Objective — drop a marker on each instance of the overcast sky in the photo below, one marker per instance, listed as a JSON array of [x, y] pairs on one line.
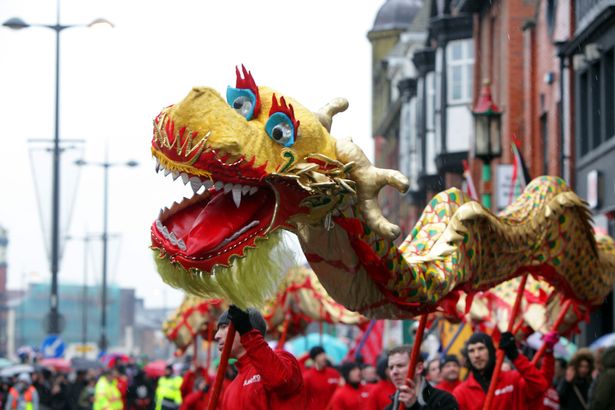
[[113, 83]]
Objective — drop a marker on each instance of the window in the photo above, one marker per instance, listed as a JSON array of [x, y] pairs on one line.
[[544, 135], [583, 107], [596, 92], [430, 106], [609, 106], [460, 61]]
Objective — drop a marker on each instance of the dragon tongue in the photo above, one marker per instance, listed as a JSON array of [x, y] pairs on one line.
[[219, 220]]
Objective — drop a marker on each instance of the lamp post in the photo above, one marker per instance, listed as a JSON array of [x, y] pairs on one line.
[[105, 238], [487, 137], [16, 23]]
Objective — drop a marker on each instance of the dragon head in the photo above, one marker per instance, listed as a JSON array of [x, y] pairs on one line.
[[257, 162]]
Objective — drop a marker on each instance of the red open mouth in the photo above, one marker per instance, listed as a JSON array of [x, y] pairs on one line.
[[208, 228]]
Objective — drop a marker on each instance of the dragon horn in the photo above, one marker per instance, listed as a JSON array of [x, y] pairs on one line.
[[326, 113], [369, 181]]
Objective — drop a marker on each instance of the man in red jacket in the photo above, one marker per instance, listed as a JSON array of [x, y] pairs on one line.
[[513, 388], [267, 379], [321, 380], [380, 393], [449, 371], [352, 395]]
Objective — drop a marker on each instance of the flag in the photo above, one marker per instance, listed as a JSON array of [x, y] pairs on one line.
[[470, 187], [369, 343], [521, 175]]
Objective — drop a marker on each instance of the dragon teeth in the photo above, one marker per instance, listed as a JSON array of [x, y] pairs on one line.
[[185, 178], [218, 185], [236, 194], [181, 244], [195, 183], [227, 188], [253, 190], [245, 189], [157, 164], [208, 184]]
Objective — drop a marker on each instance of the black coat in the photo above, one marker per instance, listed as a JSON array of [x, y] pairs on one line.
[[435, 399]]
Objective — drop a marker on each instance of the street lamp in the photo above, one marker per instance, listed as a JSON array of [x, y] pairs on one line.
[[487, 137], [16, 23], [105, 237]]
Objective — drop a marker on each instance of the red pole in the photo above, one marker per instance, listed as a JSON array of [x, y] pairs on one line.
[[226, 352], [556, 324], [416, 348], [500, 354]]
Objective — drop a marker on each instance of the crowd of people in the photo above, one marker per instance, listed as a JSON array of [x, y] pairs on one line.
[[261, 377]]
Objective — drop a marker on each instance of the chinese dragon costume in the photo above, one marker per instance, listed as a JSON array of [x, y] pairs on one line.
[[259, 163]]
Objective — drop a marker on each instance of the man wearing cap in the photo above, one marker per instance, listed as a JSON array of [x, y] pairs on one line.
[[449, 372], [514, 388], [23, 395], [267, 379], [352, 395], [321, 380], [415, 394]]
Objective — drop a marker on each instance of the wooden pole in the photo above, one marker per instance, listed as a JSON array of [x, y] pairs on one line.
[[416, 349], [500, 353], [556, 325], [226, 352]]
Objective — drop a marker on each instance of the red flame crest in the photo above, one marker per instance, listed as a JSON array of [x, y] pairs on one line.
[[247, 82], [284, 108]]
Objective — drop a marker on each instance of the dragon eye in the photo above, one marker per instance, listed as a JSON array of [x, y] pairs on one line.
[[281, 129], [242, 101], [282, 126]]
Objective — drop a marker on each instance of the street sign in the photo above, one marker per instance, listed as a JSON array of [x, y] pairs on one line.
[[53, 347]]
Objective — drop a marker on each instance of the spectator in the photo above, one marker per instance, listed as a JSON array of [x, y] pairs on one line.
[[140, 394], [514, 387], [449, 373], [352, 395], [602, 398], [266, 379], [417, 393], [433, 372], [86, 397], [106, 394], [59, 393], [368, 374], [321, 380], [197, 399], [560, 371], [168, 391], [75, 388], [22, 395], [574, 389], [381, 392]]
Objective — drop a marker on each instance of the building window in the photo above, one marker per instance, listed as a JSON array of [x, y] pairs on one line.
[[550, 15], [596, 92], [583, 109], [544, 136], [460, 62], [609, 103], [430, 106]]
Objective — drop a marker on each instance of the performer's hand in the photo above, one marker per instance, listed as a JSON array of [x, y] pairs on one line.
[[240, 319], [408, 394], [509, 345], [550, 339]]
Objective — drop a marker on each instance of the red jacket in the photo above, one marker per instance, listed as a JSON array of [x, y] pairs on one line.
[[349, 398], [320, 386], [513, 389], [197, 400], [267, 379], [448, 386], [187, 386], [550, 399], [379, 395]]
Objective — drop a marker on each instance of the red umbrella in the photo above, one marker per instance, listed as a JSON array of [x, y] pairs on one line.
[[58, 365], [155, 369]]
